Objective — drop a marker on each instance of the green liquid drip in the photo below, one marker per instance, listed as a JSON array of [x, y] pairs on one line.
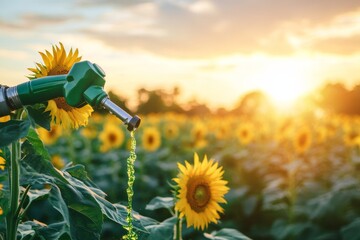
[[130, 192]]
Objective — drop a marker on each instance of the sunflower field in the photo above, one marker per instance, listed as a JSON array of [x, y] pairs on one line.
[[82, 175], [288, 179]]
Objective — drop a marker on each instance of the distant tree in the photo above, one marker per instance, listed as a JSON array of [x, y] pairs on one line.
[[197, 109], [336, 98], [158, 101], [253, 103]]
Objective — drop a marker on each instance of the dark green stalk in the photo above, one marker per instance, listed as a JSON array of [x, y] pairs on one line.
[[14, 184]]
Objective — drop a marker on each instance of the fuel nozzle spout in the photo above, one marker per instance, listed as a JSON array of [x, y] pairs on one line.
[[131, 122]]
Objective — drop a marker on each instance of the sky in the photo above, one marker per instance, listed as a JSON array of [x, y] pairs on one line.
[[214, 51]]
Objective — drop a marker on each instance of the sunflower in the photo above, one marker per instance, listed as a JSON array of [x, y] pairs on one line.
[[302, 140], [222, 130], [151, 139], [50, 137], [171, 131], [57, 161], [2, 162], [200, 190], [351, 137], [245, 133], [283, 130], [59, 62], [321, 134], [198, 133], [89, 132], [111, 137], [5, 118]]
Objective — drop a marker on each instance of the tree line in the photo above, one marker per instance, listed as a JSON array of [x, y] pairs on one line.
[[333, 97]]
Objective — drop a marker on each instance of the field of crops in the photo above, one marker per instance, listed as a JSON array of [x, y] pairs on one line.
[[289, 177]]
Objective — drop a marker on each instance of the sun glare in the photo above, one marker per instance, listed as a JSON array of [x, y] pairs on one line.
[[283, 83]]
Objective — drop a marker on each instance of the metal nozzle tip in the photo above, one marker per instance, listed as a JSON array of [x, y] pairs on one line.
[[134, 123]]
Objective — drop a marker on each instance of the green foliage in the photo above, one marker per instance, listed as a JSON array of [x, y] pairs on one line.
[[276, 193], [77, 206], [163, 230], [351, 231], [81, 206], [226, 234], [160, 202], [12, 131], [38, 116], [33, 144]]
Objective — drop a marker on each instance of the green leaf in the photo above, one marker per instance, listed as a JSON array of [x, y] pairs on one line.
[[249, 204], [163, 230], [54, 231], [35, 194], [351, 231], [160, 202], [282, 230], [226, 234], [39, 116], [26, 229], [12, 131], [59, 204], [37, 170], [41, 231], [37, 144], [78, 172], [82, 227], [77, 201], [139, 222]]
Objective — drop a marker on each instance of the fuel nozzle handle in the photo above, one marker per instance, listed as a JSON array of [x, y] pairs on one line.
[[93, 93], [83, 84]]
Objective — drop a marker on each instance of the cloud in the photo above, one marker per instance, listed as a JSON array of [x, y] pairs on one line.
[[30, 21], [183, 30], [338, 45], [205, 28], [202, 7], [339, 35]]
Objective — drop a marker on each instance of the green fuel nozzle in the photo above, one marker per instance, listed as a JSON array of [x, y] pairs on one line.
[[83, 84]]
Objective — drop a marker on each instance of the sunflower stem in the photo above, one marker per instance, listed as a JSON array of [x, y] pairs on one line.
[[178, 228], [14, 184]]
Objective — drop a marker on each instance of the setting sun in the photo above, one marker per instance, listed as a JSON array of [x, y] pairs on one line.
[[284, 82]]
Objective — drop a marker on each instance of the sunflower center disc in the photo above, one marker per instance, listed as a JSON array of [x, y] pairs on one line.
[[244, 134], [58, 70], [198, 194], [302, 139], [151, 140], [112, 138], [201, 195], [61, 103]]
